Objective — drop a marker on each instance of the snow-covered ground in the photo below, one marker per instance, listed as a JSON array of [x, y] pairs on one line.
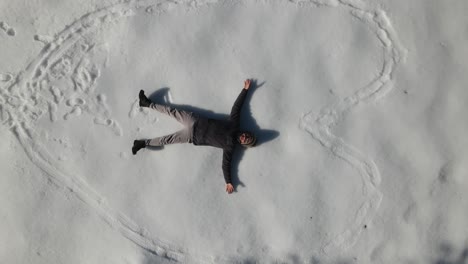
[[359, 107]]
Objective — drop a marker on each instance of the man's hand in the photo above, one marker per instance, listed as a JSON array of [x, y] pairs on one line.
[[229, 188], [247, 84]]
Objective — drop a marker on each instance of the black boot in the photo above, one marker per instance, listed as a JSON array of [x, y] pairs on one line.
[[137, 145], [144, 101]]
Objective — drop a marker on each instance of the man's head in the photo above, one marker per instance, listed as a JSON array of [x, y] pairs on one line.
[[246, 139]]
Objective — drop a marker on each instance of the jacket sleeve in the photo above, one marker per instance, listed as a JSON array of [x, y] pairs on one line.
[[237, 107], [227, 157]]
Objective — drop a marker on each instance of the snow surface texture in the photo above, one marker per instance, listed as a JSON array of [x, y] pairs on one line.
[[75, 113]]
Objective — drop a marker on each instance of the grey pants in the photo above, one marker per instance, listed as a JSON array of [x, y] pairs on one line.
[[182, 136]]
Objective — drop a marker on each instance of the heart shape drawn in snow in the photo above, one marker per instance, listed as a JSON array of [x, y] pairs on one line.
[[64, 75]]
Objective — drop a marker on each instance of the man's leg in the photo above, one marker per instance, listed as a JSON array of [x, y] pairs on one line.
[[184, 117], [181, 136]]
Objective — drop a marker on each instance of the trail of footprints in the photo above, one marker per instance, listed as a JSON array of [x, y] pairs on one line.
[[7, 29], [70, 80], [64, 75]]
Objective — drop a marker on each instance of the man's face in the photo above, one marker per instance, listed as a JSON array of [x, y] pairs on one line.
[[245, 138]]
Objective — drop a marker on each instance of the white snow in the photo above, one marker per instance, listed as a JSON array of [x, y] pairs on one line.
[[359, 107]]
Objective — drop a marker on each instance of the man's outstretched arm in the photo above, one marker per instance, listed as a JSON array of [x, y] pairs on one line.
[[227, 157], [237, 107]]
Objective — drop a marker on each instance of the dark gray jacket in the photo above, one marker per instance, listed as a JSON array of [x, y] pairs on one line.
[[221, 133]]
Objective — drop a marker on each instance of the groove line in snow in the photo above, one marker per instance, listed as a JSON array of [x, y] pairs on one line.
[[319, 125]]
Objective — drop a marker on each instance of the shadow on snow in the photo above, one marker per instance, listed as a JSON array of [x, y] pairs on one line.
[[248, 123]]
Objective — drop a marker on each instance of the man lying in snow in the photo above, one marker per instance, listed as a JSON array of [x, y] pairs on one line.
[[203, 131]]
